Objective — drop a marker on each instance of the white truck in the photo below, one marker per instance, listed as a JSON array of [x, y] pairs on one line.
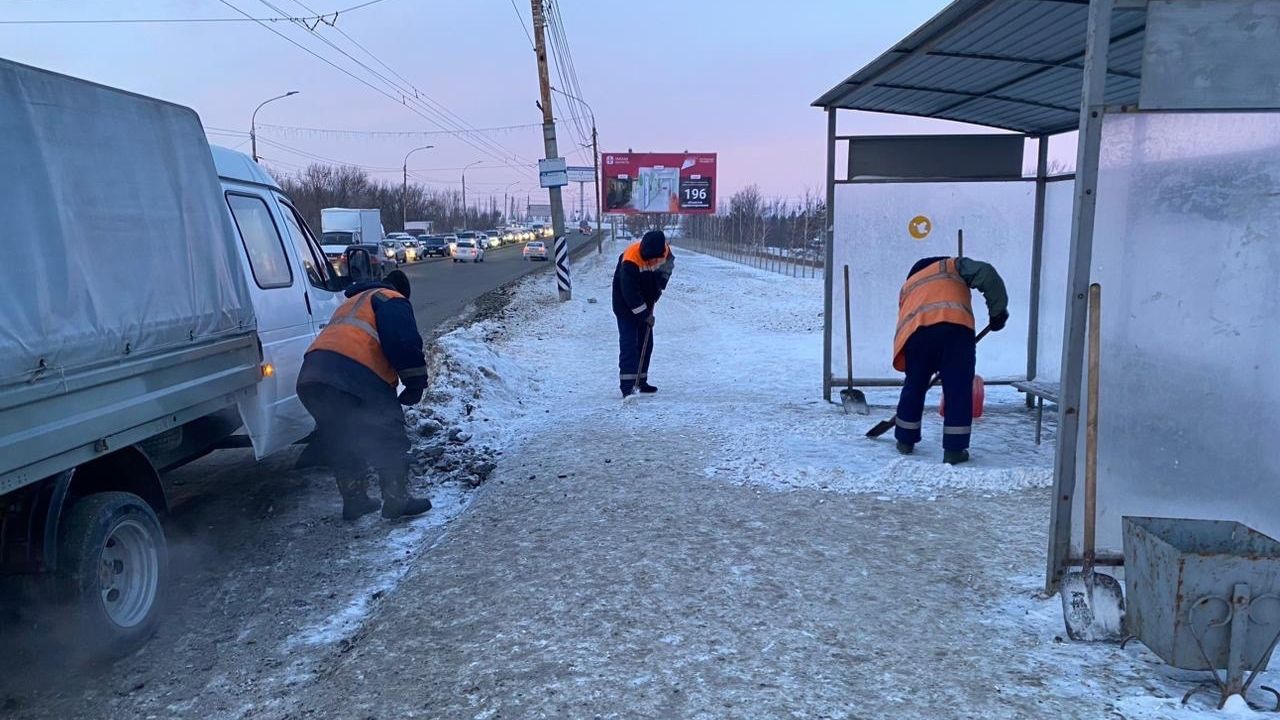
[[176, 327], [418, 228], [341, 228]]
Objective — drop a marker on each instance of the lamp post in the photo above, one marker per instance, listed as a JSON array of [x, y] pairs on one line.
[[595, 161], [404, 187], [464, 192], [253, 122]]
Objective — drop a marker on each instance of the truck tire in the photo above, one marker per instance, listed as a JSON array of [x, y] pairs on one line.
[[113, 564]]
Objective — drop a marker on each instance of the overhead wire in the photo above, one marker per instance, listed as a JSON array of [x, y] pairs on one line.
[[352, 75], [326, 18], [426, 101]]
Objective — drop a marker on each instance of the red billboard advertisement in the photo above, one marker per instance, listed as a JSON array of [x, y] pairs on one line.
[[678, 183]]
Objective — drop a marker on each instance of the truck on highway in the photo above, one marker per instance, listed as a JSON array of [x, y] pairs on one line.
[[418, 228], [175, 328], [341, 228]]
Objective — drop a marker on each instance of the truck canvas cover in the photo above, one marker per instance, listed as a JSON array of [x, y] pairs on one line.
[[118, 241]]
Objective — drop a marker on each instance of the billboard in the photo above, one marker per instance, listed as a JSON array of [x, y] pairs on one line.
[[680, 183]]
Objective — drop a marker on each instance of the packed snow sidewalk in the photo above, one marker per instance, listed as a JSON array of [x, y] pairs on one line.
[[732, 547]]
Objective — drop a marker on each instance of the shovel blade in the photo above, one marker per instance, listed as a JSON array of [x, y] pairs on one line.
[[1092, 607], [854, 401]]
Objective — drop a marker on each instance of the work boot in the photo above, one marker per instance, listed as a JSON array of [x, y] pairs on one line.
[[406, 506], [906, 448], [647, 388], [357, 506], [955, 457]]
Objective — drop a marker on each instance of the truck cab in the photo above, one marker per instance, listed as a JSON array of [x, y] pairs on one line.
[[294, 288]]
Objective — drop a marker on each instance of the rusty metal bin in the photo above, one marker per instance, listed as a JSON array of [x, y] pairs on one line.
[[1186, 581]]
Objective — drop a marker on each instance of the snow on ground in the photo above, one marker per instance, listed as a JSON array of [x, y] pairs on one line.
[[738, 360]]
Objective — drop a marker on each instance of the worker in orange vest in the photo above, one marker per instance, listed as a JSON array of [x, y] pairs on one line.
[[936, 335], [639, 279], [348, 383]]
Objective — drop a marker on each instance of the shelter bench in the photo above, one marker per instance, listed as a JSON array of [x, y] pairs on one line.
[[1041, 390]]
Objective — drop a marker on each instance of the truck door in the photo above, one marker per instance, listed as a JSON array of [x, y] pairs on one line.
[[274, 416], [322, 282]]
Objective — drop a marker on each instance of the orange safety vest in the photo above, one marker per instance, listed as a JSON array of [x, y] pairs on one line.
[[935, 294], [353, 333], [632, 255]]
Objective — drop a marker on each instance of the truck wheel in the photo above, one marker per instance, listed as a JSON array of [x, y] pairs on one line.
[[113, 564]]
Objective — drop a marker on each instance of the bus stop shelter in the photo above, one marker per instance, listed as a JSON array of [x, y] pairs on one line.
[[1173, 208]]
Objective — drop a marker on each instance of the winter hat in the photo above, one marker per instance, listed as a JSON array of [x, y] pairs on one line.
[[399, 281], [653, 245]]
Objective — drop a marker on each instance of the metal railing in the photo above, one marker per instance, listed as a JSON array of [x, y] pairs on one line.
[[805, 262]]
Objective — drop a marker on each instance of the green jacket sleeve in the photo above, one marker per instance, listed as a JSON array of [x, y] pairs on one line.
[[983, 277]]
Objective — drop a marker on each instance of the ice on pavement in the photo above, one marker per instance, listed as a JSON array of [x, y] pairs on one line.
[[732, 543]]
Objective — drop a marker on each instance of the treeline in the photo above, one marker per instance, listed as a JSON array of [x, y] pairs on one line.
[[321, 186], [751, 224]]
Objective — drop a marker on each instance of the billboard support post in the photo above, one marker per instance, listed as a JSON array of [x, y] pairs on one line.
[[563, 284]]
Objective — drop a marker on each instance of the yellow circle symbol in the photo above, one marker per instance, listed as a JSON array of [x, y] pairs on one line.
[[920, 227]]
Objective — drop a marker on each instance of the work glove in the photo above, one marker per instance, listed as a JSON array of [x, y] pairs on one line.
[[410, 396], [998, 322]]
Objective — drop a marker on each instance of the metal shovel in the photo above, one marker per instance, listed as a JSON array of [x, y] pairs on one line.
[[1092, 603], [851, 399]]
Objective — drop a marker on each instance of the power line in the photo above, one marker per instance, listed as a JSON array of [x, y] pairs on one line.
[[522, 23], [398, 134], [326, 18], [347, 72], [426, 101]]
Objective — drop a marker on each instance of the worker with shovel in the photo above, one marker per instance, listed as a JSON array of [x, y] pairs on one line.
[[936, 335], [643, 271]]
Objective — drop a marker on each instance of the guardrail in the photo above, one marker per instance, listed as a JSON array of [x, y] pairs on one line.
[[793, 262]]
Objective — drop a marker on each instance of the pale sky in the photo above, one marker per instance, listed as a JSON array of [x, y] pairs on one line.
[[733, 77]]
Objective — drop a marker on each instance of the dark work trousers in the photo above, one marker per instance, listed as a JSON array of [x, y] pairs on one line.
[[632, 330], [355, 433], [949, 349]]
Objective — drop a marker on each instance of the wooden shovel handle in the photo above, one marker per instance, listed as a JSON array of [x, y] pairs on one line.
[[1091, 428]]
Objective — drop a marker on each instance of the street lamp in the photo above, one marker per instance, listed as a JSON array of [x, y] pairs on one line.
[[595, 161], [464, 192], [253, 122], [404, 187]]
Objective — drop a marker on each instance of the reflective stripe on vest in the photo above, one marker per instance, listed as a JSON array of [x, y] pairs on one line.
[[935, 294], [353, 333], [632, 255]]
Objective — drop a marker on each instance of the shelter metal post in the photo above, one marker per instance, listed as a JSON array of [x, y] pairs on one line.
[[1037, 255], [829, 234], [1092, 102]]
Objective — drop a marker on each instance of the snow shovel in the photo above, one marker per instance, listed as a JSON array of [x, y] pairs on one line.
[[1092, 603], [851, 400], [885, 426], [644, 348]]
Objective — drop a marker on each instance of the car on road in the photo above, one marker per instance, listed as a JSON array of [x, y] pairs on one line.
[[451, 242], [433, 246], [488, 241], [468, 250], [393, 251], [536, 250], [411, 251]]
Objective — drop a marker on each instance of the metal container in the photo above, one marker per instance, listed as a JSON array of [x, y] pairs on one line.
[[1187, 579]]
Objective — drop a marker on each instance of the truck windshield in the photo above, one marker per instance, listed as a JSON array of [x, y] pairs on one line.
[[336, 238]]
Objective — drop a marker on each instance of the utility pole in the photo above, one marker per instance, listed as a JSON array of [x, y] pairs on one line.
[[549, 140], [595, 161]]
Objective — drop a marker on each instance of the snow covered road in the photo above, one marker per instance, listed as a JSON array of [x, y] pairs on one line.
[[732, 547]]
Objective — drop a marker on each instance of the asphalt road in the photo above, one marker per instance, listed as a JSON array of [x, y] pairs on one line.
[[442, 289]]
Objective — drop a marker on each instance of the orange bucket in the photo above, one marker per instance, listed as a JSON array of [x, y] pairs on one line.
[[979, 397]]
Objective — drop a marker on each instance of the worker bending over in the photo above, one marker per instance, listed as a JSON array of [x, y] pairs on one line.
[[643, 271], [936, 335], [348, 383]]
